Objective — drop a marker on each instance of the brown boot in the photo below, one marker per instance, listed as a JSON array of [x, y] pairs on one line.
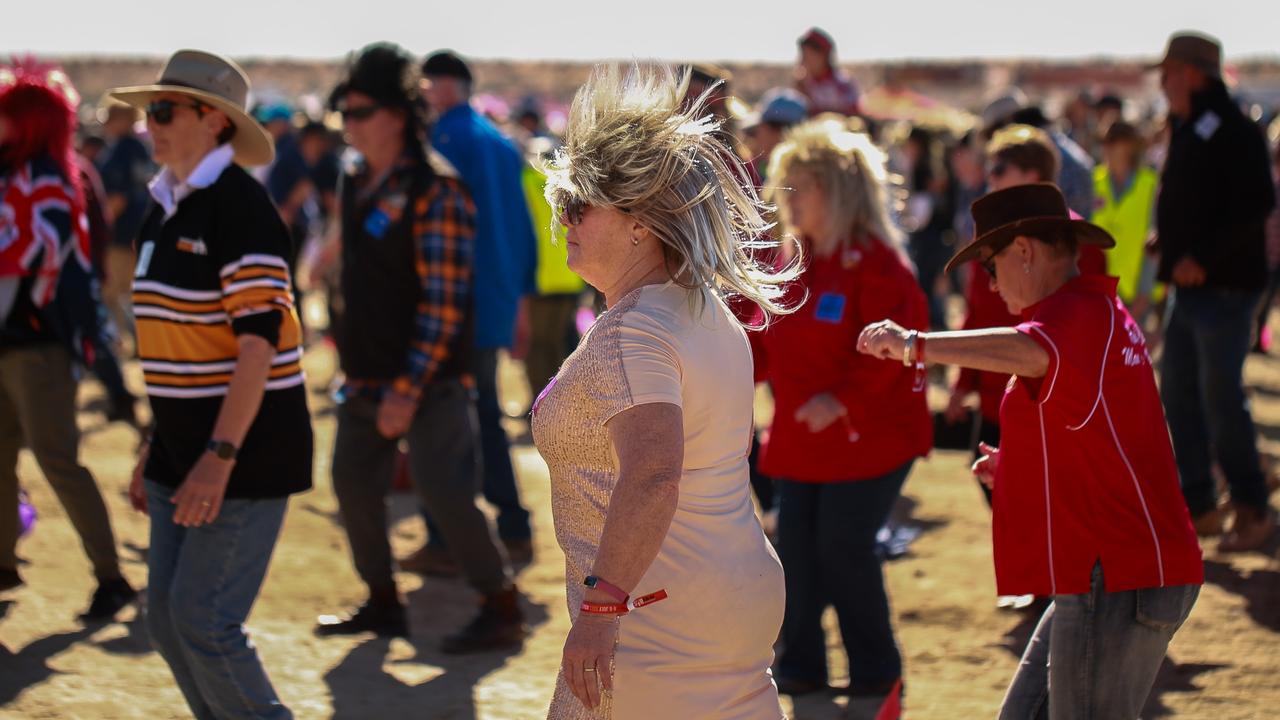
[[430, 561], [499, 625], [1252, 528], [1211, 523]]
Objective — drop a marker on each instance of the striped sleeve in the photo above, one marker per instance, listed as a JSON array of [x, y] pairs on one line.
[[444, 234]]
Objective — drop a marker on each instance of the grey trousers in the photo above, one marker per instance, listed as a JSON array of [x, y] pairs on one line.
[[444, 465], [38, 410]]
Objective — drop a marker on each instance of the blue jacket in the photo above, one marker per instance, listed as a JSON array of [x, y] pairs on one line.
[[506, 250]]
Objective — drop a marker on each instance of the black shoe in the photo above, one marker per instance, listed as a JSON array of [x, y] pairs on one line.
[[796, 687], [519, 552], [108, 599], [384, 620], [499, 625], [9, 579]]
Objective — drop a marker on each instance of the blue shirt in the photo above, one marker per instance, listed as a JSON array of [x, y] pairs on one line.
[[126, 168], [506, 250]]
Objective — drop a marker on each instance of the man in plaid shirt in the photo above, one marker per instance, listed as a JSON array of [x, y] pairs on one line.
[[405, 343]]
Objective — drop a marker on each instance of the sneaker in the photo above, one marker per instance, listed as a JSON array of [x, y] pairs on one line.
[[519, 552], [1015, 602], [108, 599], [9, 579], [1210, 524], [431, 561], [879, 690], [1251, 530], [499, 625]]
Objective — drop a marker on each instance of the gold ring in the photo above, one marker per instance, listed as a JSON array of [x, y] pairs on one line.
[[206, 503], [587, 670]]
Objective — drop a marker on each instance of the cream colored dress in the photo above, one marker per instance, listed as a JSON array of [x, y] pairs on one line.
[[705, 651]]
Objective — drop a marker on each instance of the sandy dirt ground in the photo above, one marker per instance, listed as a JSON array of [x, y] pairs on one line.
[[959, 650]]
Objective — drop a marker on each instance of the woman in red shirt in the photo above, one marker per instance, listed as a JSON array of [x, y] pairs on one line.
[[1084, 480], [846, 427]]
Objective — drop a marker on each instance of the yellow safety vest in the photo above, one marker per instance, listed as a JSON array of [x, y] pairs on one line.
[[554, 276], [1128, 219]]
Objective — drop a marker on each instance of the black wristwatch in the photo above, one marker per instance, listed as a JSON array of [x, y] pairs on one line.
[[222, 449]]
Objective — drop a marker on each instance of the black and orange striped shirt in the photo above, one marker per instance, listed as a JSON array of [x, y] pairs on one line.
[[213, 268]]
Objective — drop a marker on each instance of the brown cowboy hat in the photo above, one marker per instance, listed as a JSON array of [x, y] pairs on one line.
[[217, 82], [1001, 216]]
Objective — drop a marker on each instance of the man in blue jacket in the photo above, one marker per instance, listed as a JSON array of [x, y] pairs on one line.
[[505, 266]]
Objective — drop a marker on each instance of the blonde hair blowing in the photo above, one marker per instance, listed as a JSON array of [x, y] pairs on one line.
[[630, 145], [851, 171]]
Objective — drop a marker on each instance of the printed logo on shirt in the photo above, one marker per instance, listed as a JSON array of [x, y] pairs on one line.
[[830, 308], [1208, 124], [144, 258], [195, 247]]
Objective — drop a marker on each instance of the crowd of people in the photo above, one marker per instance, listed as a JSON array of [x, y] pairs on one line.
[[839, 258]]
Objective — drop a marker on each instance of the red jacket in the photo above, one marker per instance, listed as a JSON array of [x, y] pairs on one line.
[[814, 351]]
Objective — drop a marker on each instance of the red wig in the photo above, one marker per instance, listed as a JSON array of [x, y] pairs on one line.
[[39, 105]]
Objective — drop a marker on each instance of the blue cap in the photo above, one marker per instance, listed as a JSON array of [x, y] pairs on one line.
[[783, 106], [274, 111]]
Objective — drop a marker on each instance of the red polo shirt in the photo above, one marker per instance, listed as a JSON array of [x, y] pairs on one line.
[[815, 350], [1086, 468]]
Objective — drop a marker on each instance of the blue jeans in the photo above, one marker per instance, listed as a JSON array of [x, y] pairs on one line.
[[1096, 655], [1207, 338], [499, 483], [827, 544], [202, 583]]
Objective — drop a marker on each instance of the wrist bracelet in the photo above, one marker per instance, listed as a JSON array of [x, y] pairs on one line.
[[908, 349], [604, 608], [598, 583]]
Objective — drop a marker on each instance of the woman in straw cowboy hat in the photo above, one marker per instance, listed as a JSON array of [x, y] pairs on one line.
[[220, 347], [647, 426], [1086, 505]]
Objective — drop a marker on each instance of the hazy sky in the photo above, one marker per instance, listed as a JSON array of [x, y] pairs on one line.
[[664, 29]]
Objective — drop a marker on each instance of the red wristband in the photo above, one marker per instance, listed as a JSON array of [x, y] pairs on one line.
[[604, 608], [606, 587]]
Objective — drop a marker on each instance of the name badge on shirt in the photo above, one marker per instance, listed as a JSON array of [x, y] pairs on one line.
[[830, 308], [377, 223], [144, 258], [1207, 125]]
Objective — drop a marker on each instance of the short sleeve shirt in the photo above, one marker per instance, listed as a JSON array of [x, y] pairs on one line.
[[1086, 470]]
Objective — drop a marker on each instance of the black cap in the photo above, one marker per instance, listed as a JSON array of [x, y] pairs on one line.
[[446, 63]]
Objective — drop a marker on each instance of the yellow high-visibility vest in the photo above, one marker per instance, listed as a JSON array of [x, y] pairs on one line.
[[1128, 219], [553, 274]]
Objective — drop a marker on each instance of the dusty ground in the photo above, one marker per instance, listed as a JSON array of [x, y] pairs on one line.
[[960, 651]]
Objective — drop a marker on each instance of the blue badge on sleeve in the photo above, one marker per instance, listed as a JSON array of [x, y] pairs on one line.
[[377, 223], [830, 308]]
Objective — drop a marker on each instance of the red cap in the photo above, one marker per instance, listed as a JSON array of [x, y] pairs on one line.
[[818, 38]]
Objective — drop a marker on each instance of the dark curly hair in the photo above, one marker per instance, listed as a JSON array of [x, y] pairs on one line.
[[388, 74]]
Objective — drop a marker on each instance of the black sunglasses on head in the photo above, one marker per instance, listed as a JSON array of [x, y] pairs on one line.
[[161, 111], [364, 112]]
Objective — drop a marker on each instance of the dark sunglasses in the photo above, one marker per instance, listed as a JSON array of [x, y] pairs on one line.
[[998, 169], [572, 208], [990, 263], [364, 112], [161, 111]]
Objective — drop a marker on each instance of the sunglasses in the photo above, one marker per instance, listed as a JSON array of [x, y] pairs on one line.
[[161, 111], [990, 263], [364, 112], [998, 169]]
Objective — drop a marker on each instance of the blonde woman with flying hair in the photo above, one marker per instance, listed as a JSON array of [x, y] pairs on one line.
[[675, 594], [846, 429]]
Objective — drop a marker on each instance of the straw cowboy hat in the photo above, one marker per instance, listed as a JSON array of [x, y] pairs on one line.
[[215, 81], [1024, 210]]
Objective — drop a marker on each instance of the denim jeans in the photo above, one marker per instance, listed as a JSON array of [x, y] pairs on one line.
[[1207, 338], [827, 544], [499, 478], [1095, 656], [202, 583], [442, 464]]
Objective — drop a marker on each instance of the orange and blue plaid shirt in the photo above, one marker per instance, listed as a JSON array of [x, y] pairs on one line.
[[444, 228]]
